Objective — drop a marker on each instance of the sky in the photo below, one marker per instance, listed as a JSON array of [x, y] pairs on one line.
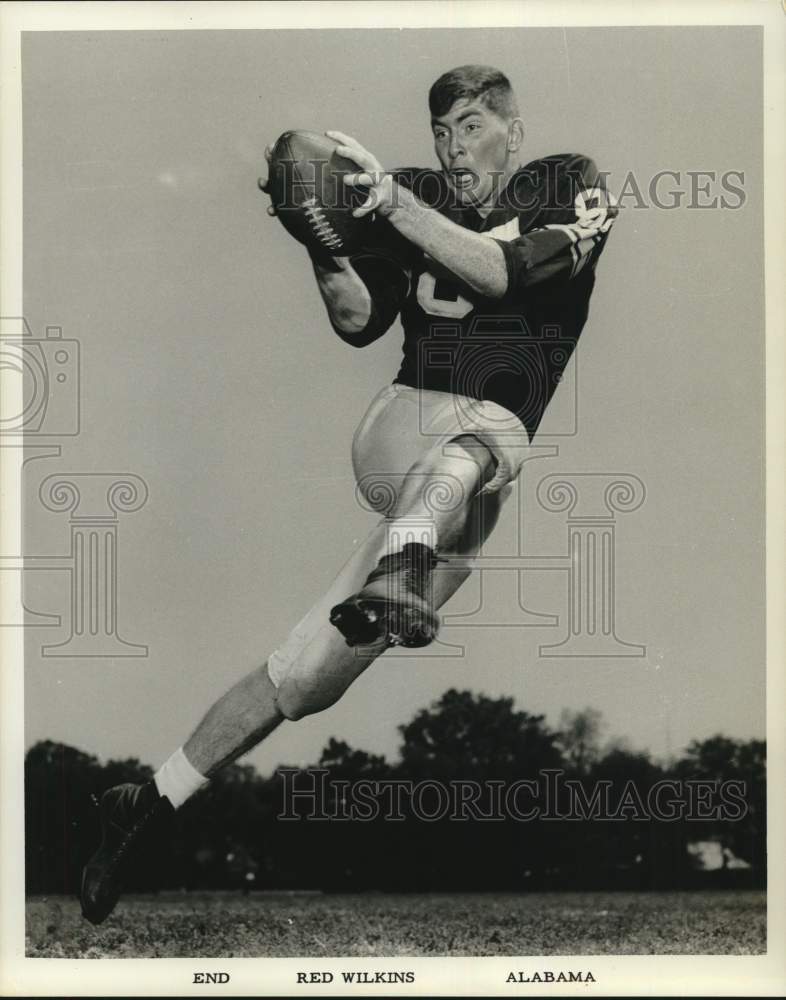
[[208, 370]]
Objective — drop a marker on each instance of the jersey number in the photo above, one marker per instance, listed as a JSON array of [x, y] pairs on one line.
[[432, 304]]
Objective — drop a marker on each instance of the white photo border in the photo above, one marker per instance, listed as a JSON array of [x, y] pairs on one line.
[[616, 975]]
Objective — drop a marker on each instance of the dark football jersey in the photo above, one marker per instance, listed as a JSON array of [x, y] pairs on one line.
[[512, 350]]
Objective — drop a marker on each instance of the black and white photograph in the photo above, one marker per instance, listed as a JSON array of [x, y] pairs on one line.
[[392, 455]]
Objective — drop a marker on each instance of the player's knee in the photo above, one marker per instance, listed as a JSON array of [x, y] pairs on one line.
[[296, 701], [452, 478], [483, 458], [474, 460], [291, 705]]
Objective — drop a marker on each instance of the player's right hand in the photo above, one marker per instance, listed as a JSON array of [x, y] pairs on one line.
[[264, 182]]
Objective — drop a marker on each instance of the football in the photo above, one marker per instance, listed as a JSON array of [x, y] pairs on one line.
[[307, 189]]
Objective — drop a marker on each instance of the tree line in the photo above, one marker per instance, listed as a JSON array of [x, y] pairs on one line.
[[483, 796]]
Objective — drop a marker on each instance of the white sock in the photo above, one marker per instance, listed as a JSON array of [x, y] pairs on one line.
[[177, 779], [412, 528]]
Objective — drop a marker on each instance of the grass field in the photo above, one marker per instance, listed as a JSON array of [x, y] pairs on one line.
[[286, 925]]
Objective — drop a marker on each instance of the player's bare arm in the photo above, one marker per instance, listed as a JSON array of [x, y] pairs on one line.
[[475, 260], [346, 297]]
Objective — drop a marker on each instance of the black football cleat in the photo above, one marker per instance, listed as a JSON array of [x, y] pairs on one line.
[[129, 815], [395, 603]]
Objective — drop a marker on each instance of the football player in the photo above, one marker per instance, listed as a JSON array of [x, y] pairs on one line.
[[490, 266]]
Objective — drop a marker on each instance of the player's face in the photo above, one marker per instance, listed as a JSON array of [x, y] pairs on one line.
[[472, 144]]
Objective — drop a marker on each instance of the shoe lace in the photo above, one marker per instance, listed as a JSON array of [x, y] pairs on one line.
[[121, 851], [406, 573]]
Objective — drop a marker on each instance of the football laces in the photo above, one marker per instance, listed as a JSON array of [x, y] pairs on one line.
[[321, 227]]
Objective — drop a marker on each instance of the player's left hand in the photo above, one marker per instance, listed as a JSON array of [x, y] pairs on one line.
[[597, 219], [372, 175], [264, 182]]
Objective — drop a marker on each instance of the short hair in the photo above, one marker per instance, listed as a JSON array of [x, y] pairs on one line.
[[488, 84]]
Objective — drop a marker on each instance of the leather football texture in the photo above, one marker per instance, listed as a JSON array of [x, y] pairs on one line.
[[307, 189]]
